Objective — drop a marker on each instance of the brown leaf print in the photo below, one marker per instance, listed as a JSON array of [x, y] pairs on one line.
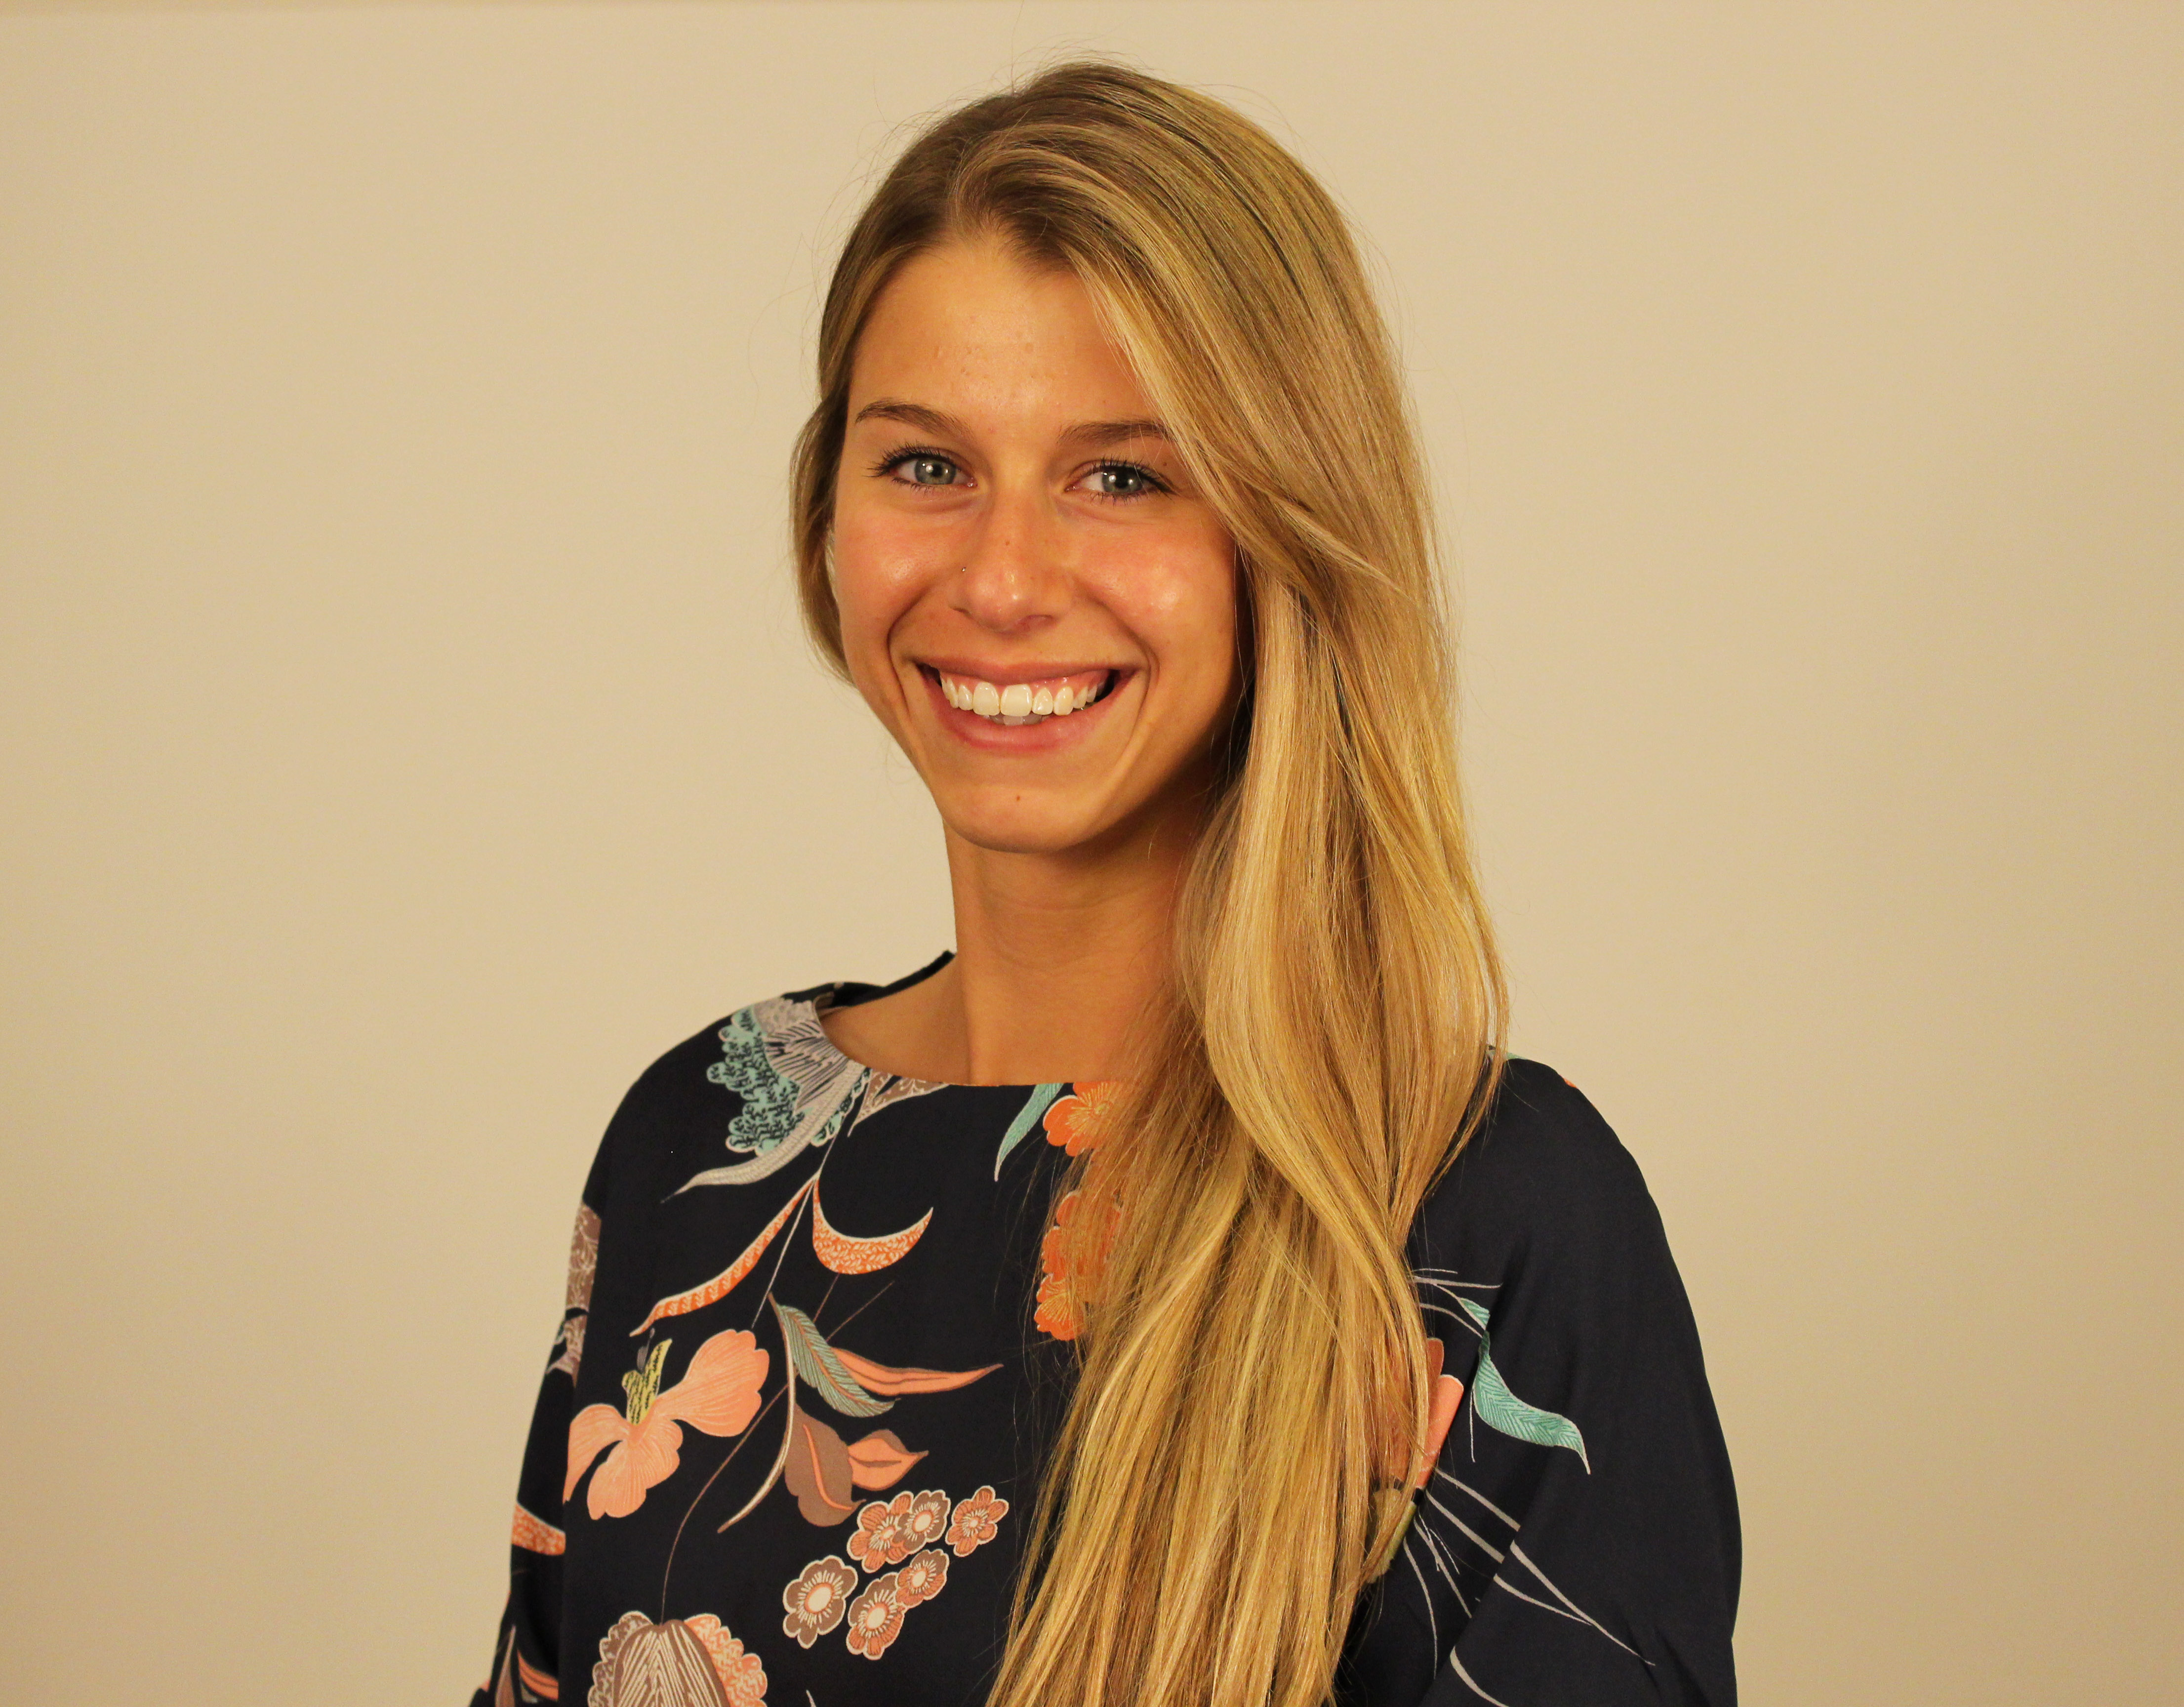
[[819, 1471]]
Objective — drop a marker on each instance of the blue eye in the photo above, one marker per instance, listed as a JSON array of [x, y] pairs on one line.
[[915, 467], [1122, 480]]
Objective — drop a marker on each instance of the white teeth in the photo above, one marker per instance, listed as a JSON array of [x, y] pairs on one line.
[[1019, 703]]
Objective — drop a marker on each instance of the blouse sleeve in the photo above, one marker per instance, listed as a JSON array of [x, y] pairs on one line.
[[527, 1656], [1578, 1537]]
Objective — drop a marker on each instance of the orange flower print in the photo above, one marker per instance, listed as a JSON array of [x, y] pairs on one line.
[[1445, 1398], [685, 1662], [1078, 1122], [922, 1578], [815, 1601], [533, 1533], [876, 1616], [978, 1521], [743, 1676], [718, 1393], [1072, 1258], [927, 1520], [882, 1536]]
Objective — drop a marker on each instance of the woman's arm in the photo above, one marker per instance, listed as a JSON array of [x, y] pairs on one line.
[[1578, 1539], [526, 1656]]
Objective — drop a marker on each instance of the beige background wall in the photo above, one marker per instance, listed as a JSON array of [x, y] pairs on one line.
[[406, 736]]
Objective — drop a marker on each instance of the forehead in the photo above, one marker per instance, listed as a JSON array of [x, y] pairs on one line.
[[972, 330]]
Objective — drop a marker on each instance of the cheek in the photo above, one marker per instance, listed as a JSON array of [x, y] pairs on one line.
[[877, 580], [878, 575], [1186, 614]]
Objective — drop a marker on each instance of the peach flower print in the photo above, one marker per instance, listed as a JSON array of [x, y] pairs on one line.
[[1078, 1121], [816, 1600], [876, 1616], [922, 1578], [1072, 1258], [718, 1393], [978, 1521], [882, 1537]]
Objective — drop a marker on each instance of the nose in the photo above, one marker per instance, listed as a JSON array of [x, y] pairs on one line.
[[1014, 575]]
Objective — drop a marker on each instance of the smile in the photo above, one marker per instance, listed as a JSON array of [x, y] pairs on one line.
[[1019, 703]]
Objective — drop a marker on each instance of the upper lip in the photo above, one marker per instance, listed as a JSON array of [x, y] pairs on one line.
[[1007, 675]]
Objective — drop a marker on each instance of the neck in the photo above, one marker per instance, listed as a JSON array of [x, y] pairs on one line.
[[1058, 957]]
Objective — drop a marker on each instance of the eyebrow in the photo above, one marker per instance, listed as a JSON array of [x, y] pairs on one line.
[[1097, 435], [1092, 435], [910, 415]]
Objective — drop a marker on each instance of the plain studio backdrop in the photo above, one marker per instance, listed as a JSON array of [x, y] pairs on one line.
[[408, 736]]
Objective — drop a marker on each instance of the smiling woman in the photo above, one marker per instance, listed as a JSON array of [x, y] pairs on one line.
[[1012, 525], [1248, 1330]]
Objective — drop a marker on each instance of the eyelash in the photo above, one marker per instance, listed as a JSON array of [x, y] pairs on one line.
[[909, 452], [918, 452]]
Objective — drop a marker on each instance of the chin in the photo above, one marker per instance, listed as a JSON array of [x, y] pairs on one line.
[[1017, 827], [1020, 837]]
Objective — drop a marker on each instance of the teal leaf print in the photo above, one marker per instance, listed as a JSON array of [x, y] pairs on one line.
[[1041, 1099], [1503, 1411], [768, 1113], [795, 1090], [820, 1370]]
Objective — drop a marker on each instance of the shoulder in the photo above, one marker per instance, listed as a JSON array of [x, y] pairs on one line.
[[678, 1073], [679, 1109], [1543, 1173]]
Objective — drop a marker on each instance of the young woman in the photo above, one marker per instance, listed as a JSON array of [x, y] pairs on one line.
[[1174, 1296]]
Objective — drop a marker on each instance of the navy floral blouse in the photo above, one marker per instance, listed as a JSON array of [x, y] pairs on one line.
[[814, 1343]]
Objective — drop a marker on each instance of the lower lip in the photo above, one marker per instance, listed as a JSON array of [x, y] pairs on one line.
[[1050, 734]]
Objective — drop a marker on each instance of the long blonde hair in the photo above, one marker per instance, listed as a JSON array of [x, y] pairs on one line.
[[1251, 1405]]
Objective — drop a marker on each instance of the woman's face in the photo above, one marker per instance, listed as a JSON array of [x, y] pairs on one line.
[[1035, 599]]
